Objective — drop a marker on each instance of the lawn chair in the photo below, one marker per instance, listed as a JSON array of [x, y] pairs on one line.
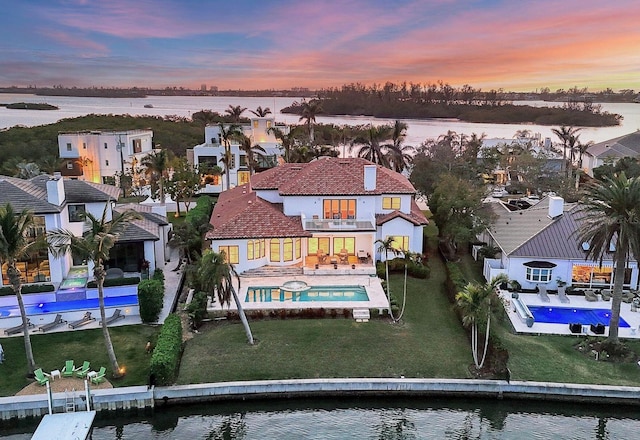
[[68, 369], [41, 376], [344, 256], [590, 295], [322, 257], [18, 328], [98, 378], [117, 314], [562, 294], [83, 370], [56, 322], [86, 319], [542, 293]]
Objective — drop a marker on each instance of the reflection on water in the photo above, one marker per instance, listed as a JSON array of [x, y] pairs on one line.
[[380, 419]]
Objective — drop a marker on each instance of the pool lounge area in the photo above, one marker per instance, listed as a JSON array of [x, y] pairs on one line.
[[328, 292], [629, 320]]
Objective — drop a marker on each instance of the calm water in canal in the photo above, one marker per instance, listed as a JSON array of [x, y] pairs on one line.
[[380, 419]]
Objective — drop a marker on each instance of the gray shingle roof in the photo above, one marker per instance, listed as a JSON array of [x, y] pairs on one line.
[[25, 194], [145, 211], [136, 231], [512, 229], [623, 146]]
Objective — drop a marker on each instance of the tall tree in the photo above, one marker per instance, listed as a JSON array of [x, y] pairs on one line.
[[611, 221], [567, 136], [373, 144], [235, 112], [251, 151], [156, 167], [288, 140], [475, 302], [261, 112], [184, 183], [228, 133], [399, 155], [16, 242], [95, 246], [309, 111], [215, 276], [384, 247]]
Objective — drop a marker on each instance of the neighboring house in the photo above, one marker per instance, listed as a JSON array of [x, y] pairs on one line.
[[211, 153], [294, 214], [101, 156], [539, 246], [610, 151], [59, 203], [503, 175]]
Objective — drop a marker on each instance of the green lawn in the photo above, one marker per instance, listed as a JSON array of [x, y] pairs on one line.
[[430, 343], [52, 350]]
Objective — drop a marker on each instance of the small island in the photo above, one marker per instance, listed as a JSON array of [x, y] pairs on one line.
[[30, 106]]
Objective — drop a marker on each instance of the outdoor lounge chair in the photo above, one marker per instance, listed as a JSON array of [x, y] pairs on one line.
[[98, 378], [86, 319], [56, 322], [68, 369], [117, 314], [344, 256], [542, 293], [590, 295], [605, 294], [627, 296], [322, 257], [83, 370], [41, 376], [17, 328]]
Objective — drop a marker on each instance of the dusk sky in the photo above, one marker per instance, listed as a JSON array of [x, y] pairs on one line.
[[516, 45]]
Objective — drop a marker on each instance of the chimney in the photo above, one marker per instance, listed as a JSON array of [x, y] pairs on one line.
[[55, 190], [556, 206], [370, 177]]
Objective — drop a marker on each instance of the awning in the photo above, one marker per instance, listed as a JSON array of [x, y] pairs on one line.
[[540, 264]]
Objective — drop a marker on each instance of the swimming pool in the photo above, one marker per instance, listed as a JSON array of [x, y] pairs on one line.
[[571, 315], [314, 293], [68, 306]]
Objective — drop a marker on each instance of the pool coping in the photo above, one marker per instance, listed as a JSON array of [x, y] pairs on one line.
[[372, 285]]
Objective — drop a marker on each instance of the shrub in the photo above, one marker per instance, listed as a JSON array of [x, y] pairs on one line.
[[455, 281], [150, 299], [417, 270], [166, 355], [201, 213], [28, 288], [112, 282], [158, 274], [197, 309]]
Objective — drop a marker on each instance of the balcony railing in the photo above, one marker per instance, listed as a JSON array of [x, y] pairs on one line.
[[350, 224]]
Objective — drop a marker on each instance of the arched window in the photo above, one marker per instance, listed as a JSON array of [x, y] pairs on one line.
[[274, 250]]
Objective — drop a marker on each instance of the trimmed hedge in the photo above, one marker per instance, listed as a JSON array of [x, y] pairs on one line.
[[150, 299], [158, 274], [455, 281], [166, 355], [111, 282], [28, 288], [201, 214], [415, 270]]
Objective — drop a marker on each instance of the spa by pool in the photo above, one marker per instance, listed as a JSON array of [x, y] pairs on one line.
[[570, 315], [313, 293]]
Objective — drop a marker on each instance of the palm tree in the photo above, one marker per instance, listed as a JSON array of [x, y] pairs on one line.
[[475, 302], [95, 246], [400, 156], [581, 149], [156, 166], [16, 244], [287, 140], [568, 137], [235, 112], [611, 214], [372, 144], [308, 113], [385, 246], [261, 112], [251, 151], [215, 276], [227, 134]]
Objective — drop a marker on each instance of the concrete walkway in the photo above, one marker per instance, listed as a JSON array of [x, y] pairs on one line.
[[171, 283]]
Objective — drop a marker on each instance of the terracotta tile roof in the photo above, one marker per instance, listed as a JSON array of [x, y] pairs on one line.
[[239, 213], [416, 216], [330, 176]]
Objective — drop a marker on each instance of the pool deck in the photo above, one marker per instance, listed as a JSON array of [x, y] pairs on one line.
[[375, 292], [577, 301]]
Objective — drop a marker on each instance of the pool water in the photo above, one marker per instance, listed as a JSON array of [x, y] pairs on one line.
[[314, 293], [68, 306], [571, 315]]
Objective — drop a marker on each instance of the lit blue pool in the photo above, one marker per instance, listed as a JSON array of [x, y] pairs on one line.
[[315, 293], [68, 306], [570, 315]]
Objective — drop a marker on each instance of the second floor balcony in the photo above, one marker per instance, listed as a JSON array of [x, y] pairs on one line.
[[314, 223]]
